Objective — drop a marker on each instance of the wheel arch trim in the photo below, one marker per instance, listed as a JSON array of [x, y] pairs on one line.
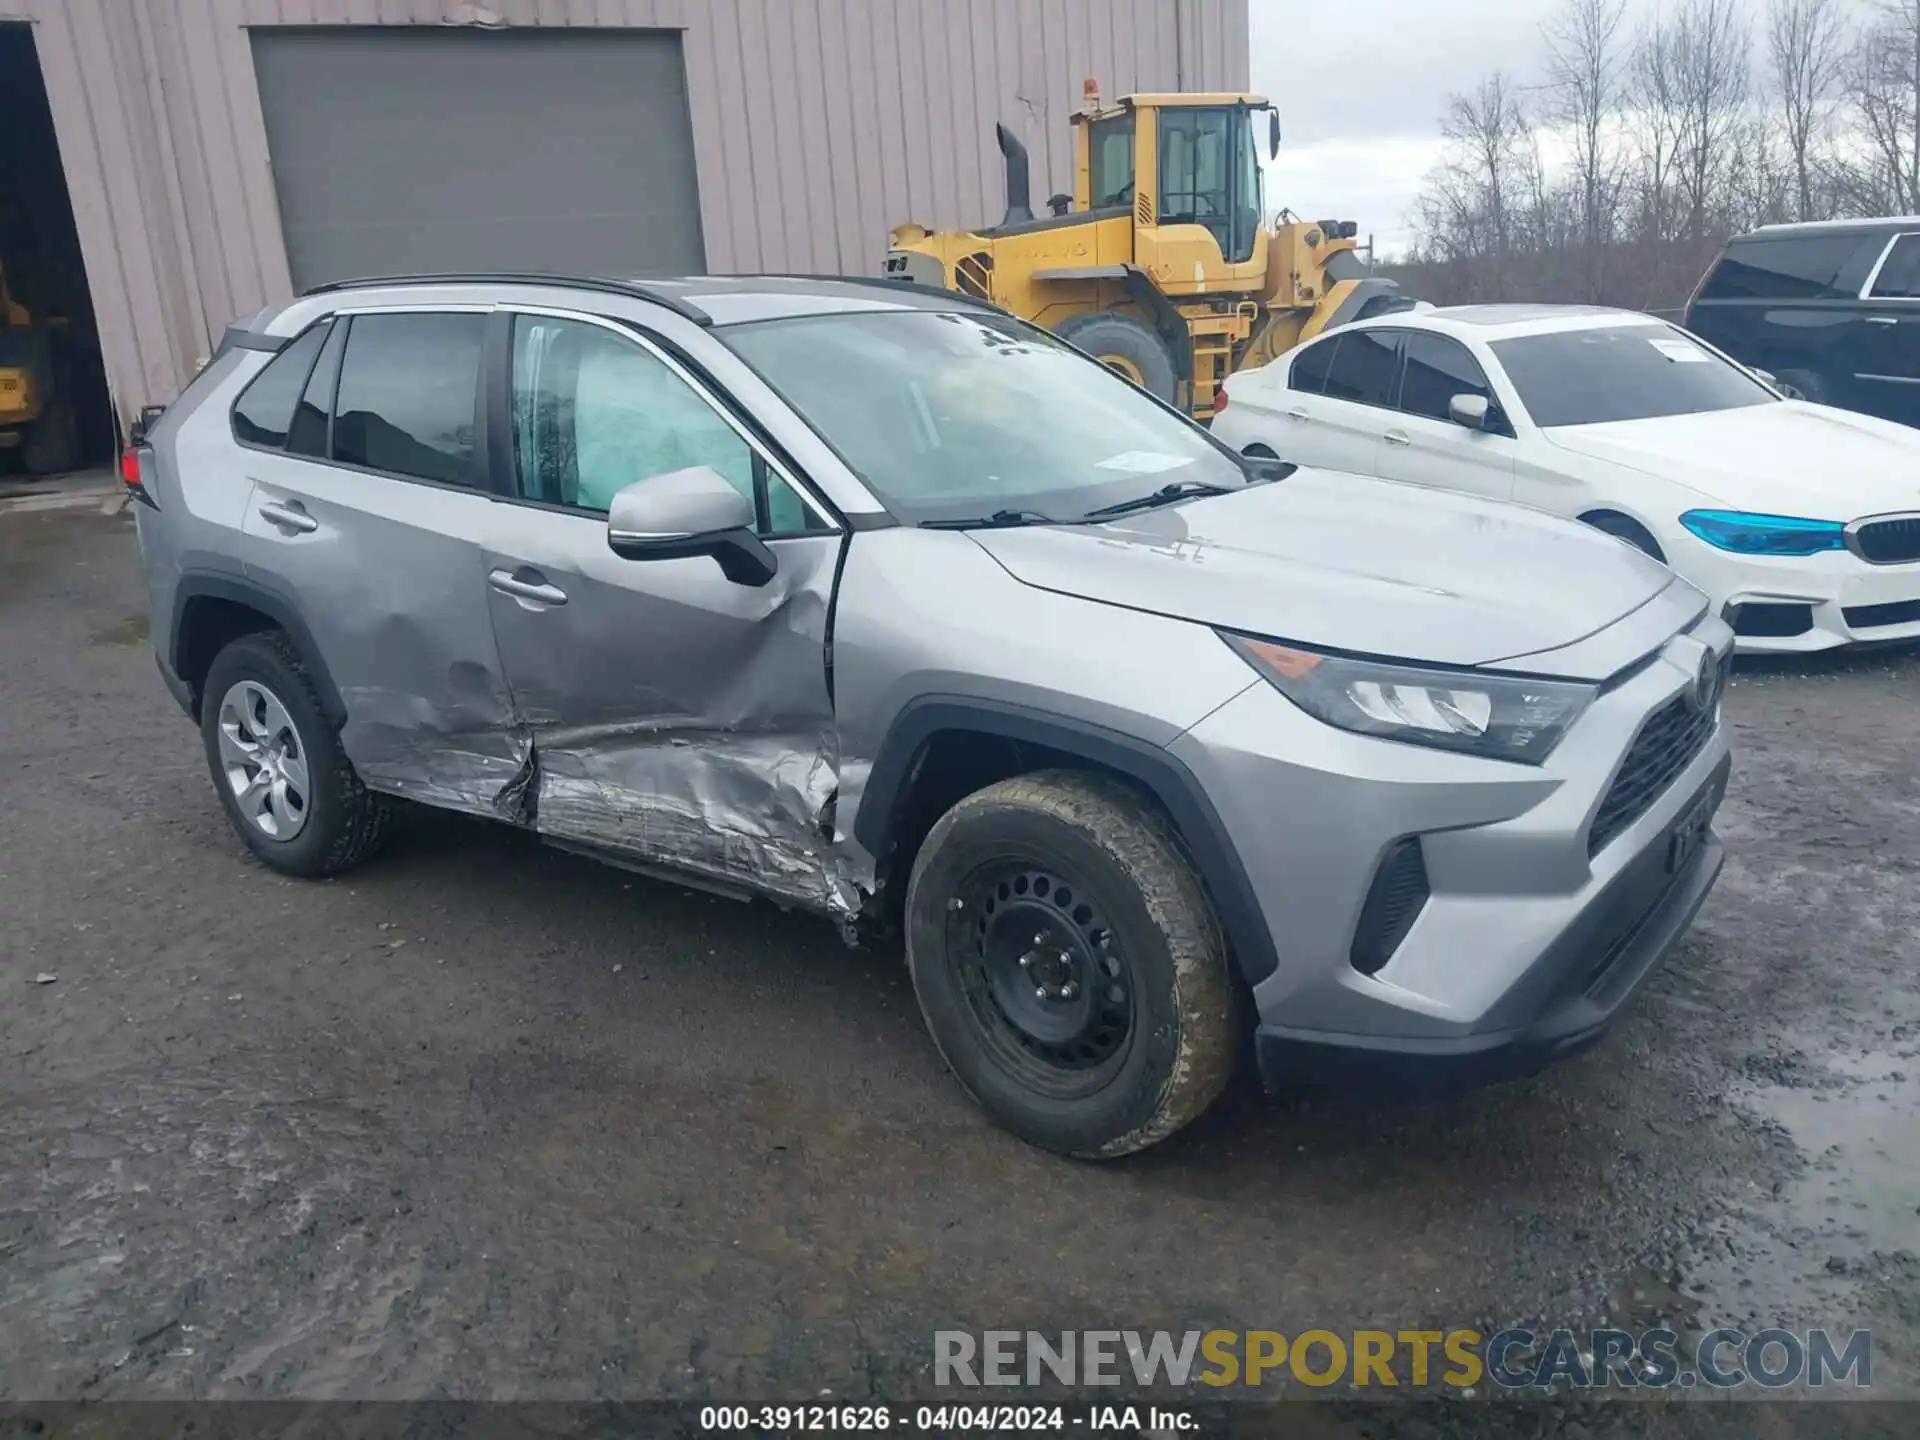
[[1150, 766], [243, 590]]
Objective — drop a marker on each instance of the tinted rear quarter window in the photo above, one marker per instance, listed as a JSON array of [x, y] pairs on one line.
[[1362, 369], [264, 411], [408, 385], [1309, 372], [1797, 267]]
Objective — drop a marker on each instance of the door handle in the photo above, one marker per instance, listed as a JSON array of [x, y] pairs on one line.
[[1882, 320], [1397, 437], [1298, 412], [288, 515], [537, 591]]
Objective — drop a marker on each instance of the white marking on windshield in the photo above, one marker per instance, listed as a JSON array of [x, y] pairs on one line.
[[1143, 462], [1679, 350]]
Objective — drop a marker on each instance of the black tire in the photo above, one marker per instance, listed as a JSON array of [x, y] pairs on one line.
[[1102, 1068], [1621, 527], [343, 822], [1802, 385], [51, 444], [1132, 343]]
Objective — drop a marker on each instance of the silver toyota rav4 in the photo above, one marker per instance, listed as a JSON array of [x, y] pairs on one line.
[[882, 604]]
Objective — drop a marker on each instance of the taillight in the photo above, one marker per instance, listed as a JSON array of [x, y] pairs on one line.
[[130, 476], [1220, 400]]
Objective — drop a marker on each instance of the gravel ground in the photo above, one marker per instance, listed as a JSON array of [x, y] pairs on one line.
[[487, 1121]]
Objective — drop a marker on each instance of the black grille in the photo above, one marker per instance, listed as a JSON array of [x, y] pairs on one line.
[[1394, 902], [1889, 542], [1772, 618], [1664, 747], [1865, 617]]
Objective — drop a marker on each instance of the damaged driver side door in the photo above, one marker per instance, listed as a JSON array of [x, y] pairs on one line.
[[676, 717]]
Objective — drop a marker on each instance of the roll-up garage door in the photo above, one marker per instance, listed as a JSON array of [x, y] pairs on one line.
[[399, 150]]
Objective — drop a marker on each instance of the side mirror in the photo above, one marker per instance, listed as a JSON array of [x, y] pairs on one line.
[[1767, 377], [1273, 134], [1469, 410], [690, 512]]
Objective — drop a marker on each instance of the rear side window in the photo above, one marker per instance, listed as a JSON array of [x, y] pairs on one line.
[[264, 412], [1310, 366], [408, 387], [308, 434], [1362, 369], [1899, 277], [1437, 370], [1799, 267]]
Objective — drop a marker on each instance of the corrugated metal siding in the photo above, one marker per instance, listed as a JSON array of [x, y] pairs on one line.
[[817, 124]]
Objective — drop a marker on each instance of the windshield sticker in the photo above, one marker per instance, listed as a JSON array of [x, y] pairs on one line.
[[1143, 462], [1680, 351]]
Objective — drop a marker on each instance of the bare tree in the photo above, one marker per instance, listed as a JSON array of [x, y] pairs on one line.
[[1653, 98], [1883, 91], [1710, 51], [1584, 64], [1806, 48], [1487, 135]]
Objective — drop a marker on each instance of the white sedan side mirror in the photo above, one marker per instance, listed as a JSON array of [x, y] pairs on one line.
[[1469, 410]]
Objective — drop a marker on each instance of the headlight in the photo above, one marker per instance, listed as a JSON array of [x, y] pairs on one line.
[[1749, 534], [1503, 717]]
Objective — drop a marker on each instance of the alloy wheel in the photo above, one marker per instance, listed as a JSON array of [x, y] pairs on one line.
[[264, 761]]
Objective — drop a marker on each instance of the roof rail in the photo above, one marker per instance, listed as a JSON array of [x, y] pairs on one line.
[[888, 282], [638, 289]]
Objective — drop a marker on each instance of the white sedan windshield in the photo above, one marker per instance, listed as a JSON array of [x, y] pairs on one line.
[[949, 414], [1622, 372]]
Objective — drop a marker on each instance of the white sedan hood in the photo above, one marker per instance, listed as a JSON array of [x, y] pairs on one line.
[[1789, 458]]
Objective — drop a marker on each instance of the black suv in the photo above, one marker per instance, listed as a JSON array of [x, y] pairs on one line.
[[1831, 309]]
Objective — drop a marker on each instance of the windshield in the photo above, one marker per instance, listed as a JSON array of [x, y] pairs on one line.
[[949, 415], [1622, 372]]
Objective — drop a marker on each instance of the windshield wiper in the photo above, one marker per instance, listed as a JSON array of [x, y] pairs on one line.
[[998, 520], [1165, 495]]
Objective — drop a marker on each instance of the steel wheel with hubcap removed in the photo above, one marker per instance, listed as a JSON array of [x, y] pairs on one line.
[[1069, 965]]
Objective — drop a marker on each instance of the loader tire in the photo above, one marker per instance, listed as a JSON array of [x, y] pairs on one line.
[[51, 444], [1125, 345]]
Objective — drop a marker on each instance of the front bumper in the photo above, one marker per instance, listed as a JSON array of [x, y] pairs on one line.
[[1564, 1004], [1846, 600], [1530, 937]]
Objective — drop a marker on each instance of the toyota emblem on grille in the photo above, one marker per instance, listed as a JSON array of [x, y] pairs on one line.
[[1706, 686]]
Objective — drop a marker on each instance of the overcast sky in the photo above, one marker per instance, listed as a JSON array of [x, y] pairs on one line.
[[1361, 84]]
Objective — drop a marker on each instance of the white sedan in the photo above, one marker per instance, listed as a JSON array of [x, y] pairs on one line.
[[1801, 522]]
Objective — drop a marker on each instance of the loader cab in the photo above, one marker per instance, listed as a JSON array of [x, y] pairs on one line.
[[1188, 169]]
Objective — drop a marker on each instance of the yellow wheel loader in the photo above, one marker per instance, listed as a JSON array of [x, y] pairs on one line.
[[1160, 264], [36, 412]]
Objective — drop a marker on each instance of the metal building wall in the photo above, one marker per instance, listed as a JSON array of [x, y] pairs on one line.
[[817, 124]]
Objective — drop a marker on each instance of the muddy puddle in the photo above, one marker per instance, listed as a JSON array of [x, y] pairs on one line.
[[1825, 1246]]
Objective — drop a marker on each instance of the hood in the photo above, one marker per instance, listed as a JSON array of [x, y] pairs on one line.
[[1789, 458], [1349, 563]]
